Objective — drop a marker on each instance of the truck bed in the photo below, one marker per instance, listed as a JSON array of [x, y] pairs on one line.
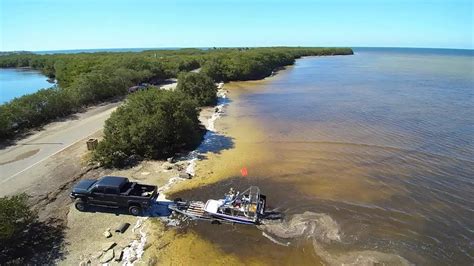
[[139, 190]]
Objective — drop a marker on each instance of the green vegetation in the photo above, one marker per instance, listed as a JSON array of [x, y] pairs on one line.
[[151, 124], [198, 86], [23, 239], [257, 63], [16, 218], [90, 78], [34, 110]]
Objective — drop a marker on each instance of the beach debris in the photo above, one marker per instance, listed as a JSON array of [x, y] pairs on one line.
[[108, 245], [118, 254], [108, 256], [107, 233], [184, 175], [122, 228], [170, 159]]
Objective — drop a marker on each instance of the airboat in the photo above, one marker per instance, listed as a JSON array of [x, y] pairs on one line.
[[247, 207]]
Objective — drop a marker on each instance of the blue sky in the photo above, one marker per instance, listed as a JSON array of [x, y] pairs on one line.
[[84, 24]]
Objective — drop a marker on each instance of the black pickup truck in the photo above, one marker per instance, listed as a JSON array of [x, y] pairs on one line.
[[113, 192]]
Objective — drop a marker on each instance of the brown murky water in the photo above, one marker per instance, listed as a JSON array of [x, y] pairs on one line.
[[369, 156]]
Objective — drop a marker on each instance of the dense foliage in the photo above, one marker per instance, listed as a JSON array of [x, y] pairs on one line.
[[15, 221], [198, 86], [257, 63], [34, 109], [151, 124], [24, 240], [89, 78]]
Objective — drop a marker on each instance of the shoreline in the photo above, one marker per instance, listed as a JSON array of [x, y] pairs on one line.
[[251, 151], [165, 174]]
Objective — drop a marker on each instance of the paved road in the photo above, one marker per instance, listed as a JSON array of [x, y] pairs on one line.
[[55, 137]]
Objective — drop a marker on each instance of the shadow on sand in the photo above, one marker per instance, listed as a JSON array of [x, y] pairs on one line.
[[157, 209], [41, 244]]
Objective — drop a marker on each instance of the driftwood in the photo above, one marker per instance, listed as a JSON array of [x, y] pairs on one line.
[[122, 228]]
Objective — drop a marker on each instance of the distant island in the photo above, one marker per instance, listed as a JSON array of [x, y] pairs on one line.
[[14, 53]]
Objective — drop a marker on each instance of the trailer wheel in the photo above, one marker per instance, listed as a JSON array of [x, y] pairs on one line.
[[215, 222], [80, 205], [135, 210], [176, 200]]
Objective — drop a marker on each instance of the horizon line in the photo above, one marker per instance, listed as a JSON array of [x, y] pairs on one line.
[[195, 47]]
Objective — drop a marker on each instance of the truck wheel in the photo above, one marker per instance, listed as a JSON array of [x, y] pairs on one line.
[[135, 210], [80, 205]]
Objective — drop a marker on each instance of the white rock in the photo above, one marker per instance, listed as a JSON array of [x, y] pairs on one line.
[[108, 256], [107, 233], [118, 254], [108, 245], [185, 175], [85, 262]]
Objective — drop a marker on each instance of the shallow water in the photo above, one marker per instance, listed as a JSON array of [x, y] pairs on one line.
[[17, 82], [381, 143]]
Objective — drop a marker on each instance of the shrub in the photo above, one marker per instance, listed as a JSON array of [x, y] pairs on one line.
[[23, 239], [15, 217], [15, 220], [198, 86], [216, 69], [34, 109], [152, 124]]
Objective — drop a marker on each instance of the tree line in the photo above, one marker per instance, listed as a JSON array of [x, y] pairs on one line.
[[89, 78]]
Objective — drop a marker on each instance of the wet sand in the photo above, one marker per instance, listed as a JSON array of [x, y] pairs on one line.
[[245, 137], [185, 246]]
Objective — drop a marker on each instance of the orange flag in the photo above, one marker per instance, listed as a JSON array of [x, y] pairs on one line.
[[243, 171]]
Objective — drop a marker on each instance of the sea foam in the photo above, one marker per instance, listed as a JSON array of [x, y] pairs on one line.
[[321, 229]]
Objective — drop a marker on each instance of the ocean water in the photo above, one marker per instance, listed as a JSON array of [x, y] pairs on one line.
[[17, 82], [370, 157]]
